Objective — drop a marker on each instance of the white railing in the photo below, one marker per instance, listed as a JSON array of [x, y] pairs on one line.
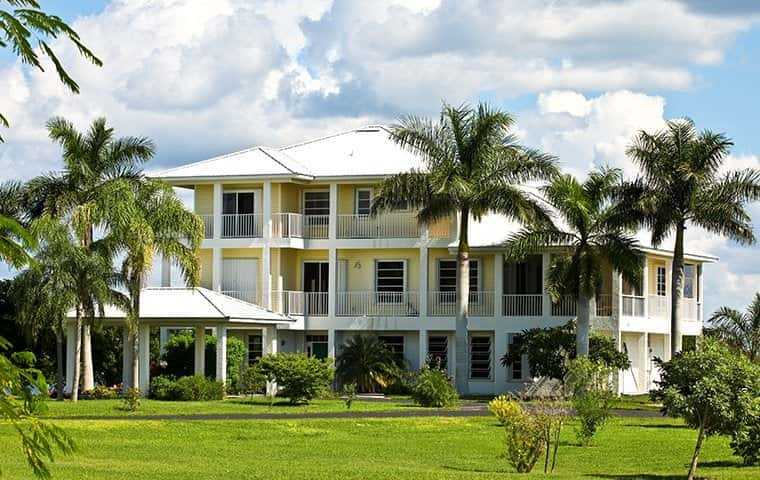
[[250, 296], [208, 226], [243, 225], [659, 306], [288, 302], [444, 304], [377, 304], [316, 226], [390, 225], [287, 225], [690, 309], [567, 306], [604, 305], [633, 306], [522, 305]]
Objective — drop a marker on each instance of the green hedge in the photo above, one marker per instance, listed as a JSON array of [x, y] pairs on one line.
[[191, 388]]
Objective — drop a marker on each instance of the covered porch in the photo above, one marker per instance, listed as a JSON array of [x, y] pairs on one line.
[[196, 308]]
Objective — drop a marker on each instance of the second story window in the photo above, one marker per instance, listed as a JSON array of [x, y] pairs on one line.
[[316, 203], [390, 280], [689, 281], [447, 276], [363, 201], [238, 203], [661, 292]]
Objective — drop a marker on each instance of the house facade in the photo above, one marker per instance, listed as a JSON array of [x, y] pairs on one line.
[[289, 229]]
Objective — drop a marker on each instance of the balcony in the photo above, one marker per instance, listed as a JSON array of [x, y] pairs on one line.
[[567, 306], [377, 304], [298, 303], [603, 305], [296, 225], [249, 296], [444, 304], [208, 226], [633, 306], [659, 306], [242, 225], [391, 225], [522, 305]]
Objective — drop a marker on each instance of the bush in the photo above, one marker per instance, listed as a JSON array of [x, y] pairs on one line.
[[745, 441], [252, 380], [102, 392], [367, 362], [164, 387], [179, 355], [501, 407], [433, 388], [299, 377], [23, 359], [131, 400], [237, 361], [191, 388], [593, 395], [524, 440], [349, 394]]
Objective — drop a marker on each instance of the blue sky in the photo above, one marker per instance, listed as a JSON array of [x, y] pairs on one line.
[[582, 76]]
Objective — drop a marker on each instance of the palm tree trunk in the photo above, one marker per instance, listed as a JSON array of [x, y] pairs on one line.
[[59, 382], [676, 291], [135, 344], [584, 325], [77, 359], [135, 299], [697, 450], [463, 297]]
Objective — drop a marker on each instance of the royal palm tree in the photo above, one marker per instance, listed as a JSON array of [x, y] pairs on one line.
[[595, 232], [739, 330], [150, 219], [681, 183], [367, 362], [92, 163], [472, 165]]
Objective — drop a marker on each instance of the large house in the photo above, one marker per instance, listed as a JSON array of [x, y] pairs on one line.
[[288, 229]]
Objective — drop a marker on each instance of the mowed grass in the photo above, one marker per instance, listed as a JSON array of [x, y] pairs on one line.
[[416, 448]]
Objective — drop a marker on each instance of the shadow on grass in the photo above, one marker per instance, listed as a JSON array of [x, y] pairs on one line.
[[640, 476], [666, 426]]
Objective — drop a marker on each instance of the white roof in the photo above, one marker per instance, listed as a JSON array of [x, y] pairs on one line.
[[367, 151], [185, 303]]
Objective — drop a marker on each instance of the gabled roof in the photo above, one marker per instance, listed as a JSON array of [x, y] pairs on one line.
[[185, 303]]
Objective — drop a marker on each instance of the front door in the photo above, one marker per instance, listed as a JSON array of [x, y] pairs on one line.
[[315, 284]]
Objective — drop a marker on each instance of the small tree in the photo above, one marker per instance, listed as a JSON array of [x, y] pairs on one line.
[[367, 362], [593, 395], [711, 388]]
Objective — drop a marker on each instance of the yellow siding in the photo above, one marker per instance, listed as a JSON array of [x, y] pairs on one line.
[[205, 256], [204, 199], [361, 267], [345, 199], [276, 202], [290, 201], [243, 186]]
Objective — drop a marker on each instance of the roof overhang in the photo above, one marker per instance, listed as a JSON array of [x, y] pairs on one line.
[[694, 257]]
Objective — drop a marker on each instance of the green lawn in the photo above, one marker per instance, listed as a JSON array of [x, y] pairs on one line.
[[430, 448]]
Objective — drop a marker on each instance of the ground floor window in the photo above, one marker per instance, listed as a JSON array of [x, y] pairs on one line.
[[517, 369], [255, 348], [438, 351], [480, 357], [316, 346], [394, 343]]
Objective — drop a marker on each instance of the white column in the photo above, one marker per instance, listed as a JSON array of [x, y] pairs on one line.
[[126, 363], [166, 272], [71, 331], [423, 293], [701, 293], [331, 343], [452, 355], [333, 226], [216, 269], [645, 287], [644, 362], [617, 310], [221, 353], [498, 284], [144, 358], [88, 373], [269, 344], [546, 304], [217, 209], [500, 372], [423, 348], [332, 281], [266, 210], [266, 277], [200, 351]]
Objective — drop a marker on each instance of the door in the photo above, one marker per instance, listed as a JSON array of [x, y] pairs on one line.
[[315, 285], [632, 375], [239, 278], [656, 350]]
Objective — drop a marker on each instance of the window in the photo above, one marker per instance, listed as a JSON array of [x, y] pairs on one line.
[[363, 201], [480, 357], [394, 343], [316, 203], [316, 346], [661, 281], [631, 289], [517, 368], [255, 348], [238, 203], [390, 280], [438, 351], [689, 279], [447, 276]]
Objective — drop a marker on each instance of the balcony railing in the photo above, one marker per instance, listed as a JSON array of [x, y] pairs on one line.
[[390, 225], [603, 305], [659, 306], [242, 225], [250, 296], [208, 226], [633, 306], [377, 304], [316, 226], [567, 306], [292, 302], [690, 309], [522, 305], [287, 225], [444, 304]]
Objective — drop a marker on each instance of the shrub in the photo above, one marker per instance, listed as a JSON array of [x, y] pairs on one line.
[[349, 394], [179, 354], [197, 388], [252, 380], [237, 361], [367, 362], [131, 400], [102, 392], [524, 441], [24, 359], [164, 387], [593, 395], [745, 441], [299, 377], [433, 388], [501, 407]]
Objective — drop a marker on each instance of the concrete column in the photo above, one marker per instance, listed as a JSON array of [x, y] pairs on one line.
[[333, 227], [144, 360], [166, 272], [217, 210], [645, 287], [500, 373], [700, 293], [332, 283], [269, 344], [546, 304], [645, 362], [88, 373], [200, 351], [266, 213], [331, 343], [216, 269], [71, 331], [221, 353], [423, 348], [266, 277], [452, 354], [498, 284], [126, 363], [423, 281], [617, 311]]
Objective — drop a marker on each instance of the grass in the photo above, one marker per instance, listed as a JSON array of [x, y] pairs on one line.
[[416, 448]]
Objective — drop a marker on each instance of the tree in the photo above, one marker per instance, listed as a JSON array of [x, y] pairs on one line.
[[472, 165], [94, 165], [148, 218], [26, 30], [711, 388], [597, 232], [681, 183], [739, 330], [367, 362]]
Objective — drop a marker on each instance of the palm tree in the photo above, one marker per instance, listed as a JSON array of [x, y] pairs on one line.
[[93, 162], [596, 233], [150, 219], [367, 362], [739, 330], [472, 166], [681, 183]]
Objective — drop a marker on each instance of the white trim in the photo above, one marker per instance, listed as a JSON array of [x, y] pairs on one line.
[[404, 264], [313, 190], [357, 190]]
